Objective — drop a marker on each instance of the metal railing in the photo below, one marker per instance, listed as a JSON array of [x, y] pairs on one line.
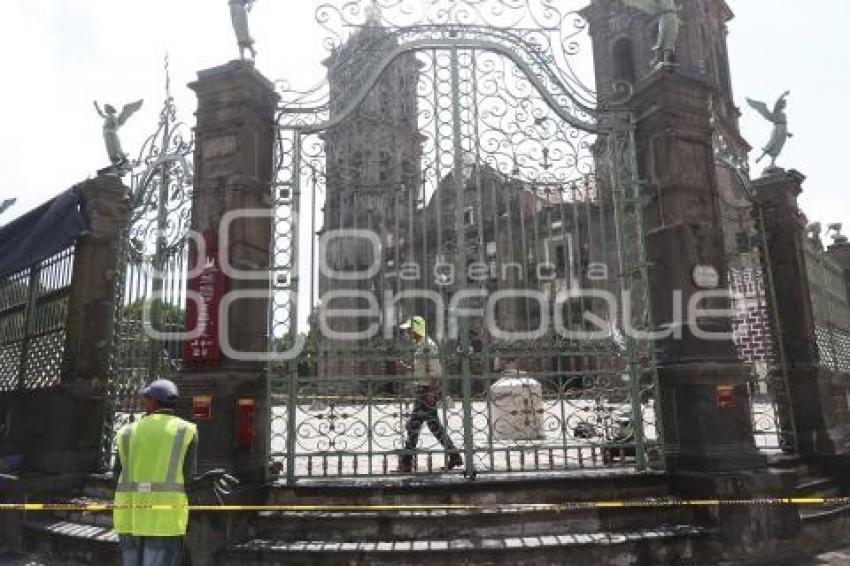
[[568, 413], [33, 317]]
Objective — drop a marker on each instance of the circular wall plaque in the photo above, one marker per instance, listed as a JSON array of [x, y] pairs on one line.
[[706, 277]]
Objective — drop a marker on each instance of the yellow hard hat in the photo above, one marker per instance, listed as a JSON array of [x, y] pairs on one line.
[[416, 324]]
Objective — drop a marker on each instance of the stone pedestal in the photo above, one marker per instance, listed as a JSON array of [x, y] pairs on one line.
[[517, 408], [220, 444], [234, 155], [745, 529], [811, 399], [684, 230], [235, 135]]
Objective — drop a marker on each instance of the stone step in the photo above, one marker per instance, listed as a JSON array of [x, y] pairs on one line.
[[442, 524], [601, 485], [97, 519], [818, 487], [71, 542], [786, 461], [819, 513], [667, 545]]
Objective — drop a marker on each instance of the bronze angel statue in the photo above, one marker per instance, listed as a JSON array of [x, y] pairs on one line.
[[239, 17], [669, 23], [779, 120], [112, 122]]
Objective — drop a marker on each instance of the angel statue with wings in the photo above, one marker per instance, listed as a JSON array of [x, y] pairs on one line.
[[239, 16], [780, 127], [669, 23], [112, 122]]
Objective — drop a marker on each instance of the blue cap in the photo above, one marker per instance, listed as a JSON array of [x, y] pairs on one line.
[[161, 390]]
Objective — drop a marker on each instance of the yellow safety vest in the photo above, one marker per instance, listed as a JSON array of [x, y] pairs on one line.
[[152, 453]]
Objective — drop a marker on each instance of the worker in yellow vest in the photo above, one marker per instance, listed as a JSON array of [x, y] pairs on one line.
[[156, 455], [426, 370]]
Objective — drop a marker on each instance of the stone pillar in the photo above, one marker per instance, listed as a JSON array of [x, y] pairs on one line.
[[706, 430], [777, 194], [235, 135], [91, 307], [59, 430]]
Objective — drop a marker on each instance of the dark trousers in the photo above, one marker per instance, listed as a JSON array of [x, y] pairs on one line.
[[150, 551], [425, 411]]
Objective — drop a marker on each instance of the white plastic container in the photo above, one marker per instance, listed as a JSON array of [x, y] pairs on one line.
[[516, 408]]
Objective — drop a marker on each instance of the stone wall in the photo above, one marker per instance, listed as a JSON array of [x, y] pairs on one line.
[[58, 429]]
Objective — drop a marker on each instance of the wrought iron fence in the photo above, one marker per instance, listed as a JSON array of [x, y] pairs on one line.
[[831, 307], [514, 421], [755, 331], [757, 328], [33, 317], [458, 160]]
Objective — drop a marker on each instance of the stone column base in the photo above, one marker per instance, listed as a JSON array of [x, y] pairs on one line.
[[219, 443], [699, 434], [55, 431]]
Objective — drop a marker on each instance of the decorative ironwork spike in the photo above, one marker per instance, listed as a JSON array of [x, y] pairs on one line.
[[167, 67]]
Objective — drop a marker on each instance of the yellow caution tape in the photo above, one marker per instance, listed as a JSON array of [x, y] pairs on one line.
[[568, 506]]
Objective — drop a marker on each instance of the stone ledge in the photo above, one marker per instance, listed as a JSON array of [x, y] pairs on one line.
[[468, 544], [90, 533], [482, 482]]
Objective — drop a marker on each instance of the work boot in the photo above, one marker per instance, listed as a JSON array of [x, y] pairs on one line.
[[455, 461]]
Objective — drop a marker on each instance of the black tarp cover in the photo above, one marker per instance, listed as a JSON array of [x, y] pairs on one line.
[[42, 232]]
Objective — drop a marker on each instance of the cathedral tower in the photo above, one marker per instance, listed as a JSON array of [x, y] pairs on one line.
[[373, 160], [623, 41], [624, 37]]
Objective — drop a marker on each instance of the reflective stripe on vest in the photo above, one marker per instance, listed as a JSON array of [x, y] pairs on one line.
[[170, 483]]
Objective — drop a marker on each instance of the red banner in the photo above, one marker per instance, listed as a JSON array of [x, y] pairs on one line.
[[205, 350]]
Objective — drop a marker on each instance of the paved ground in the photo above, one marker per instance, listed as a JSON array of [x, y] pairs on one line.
[[834, 558]]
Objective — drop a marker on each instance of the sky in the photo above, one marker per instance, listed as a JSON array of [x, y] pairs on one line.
[[60, 55]]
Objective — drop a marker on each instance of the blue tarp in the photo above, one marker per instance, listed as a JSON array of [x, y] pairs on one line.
[[42, 232]]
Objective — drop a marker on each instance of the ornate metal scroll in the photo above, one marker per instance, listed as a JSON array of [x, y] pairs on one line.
[[458, 134], [757, 327], [150, 287]]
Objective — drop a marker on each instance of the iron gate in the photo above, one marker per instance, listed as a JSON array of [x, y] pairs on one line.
[[453, 166], [150, 287], [757, 327]]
